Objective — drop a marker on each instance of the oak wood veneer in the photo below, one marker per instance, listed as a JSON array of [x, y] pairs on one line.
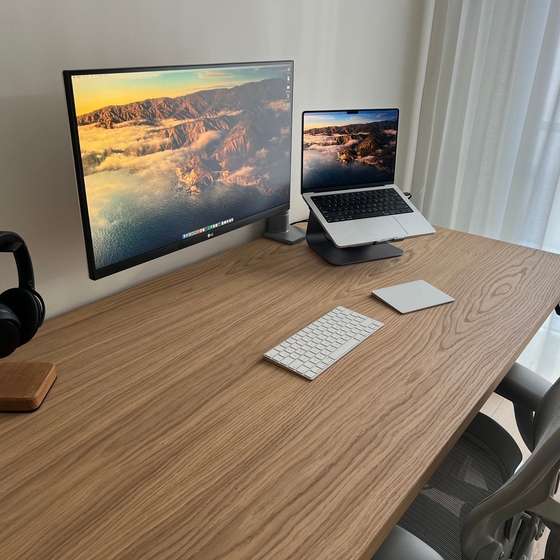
[[24, 385], [168, 436]]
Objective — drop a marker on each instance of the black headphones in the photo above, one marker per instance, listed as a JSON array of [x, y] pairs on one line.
[[22, 309]]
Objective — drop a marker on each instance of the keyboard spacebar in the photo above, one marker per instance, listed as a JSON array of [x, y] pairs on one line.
[[344, 348], [367, 215]]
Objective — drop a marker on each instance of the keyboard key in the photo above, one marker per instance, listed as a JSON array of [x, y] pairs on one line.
[[341, 350]]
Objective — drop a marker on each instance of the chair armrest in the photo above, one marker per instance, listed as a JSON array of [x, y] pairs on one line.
[[523, 387], [402, 545]]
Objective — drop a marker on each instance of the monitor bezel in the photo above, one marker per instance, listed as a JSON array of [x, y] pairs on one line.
[[353, 185], [98, 273]]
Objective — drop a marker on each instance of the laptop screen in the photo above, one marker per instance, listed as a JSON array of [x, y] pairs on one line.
[[346, 149]]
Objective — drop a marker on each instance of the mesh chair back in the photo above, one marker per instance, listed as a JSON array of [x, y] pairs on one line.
[[530, 489]]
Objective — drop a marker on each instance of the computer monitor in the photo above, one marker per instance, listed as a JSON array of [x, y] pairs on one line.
[[167, 157]]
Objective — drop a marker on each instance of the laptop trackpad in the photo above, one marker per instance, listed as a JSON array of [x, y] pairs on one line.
[[379, 229]]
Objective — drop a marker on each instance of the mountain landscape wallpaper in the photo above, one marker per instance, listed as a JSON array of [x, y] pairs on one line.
[[165, 154], [341, 149]]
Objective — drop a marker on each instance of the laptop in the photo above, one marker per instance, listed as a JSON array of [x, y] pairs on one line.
[[347, 177]]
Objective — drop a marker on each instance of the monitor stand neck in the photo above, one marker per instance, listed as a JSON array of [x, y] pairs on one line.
[[318, 241]]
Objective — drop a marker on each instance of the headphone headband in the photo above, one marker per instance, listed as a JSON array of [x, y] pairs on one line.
[[11, 242]]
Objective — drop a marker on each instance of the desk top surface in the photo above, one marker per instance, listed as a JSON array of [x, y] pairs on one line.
[[166, 435]]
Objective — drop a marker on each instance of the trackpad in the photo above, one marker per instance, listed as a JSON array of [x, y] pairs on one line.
[[379, 229]]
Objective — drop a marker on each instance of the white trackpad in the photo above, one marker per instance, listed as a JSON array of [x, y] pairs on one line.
[[412, 296]]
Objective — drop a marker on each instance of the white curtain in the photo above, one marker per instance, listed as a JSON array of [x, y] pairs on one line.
[[488, 155]]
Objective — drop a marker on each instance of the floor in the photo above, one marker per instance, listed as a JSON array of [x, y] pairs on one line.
[[501, 410]]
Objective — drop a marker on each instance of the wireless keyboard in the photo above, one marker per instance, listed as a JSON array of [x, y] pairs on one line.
[[318, 346]]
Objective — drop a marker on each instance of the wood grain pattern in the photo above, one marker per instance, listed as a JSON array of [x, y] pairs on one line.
[[168, 436], [24, 385]]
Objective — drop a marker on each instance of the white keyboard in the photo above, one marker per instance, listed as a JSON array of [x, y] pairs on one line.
[[318, 346]]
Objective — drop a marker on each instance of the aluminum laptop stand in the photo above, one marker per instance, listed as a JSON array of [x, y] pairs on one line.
[[318, 241]]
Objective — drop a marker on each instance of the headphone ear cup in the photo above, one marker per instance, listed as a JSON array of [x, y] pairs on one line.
[[9, 331], [26, 308]]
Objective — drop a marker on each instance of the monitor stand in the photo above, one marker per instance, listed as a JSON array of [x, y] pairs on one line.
[[318, 241], [279, 229]]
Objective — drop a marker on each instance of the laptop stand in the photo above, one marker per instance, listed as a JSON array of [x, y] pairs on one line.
[[318, 241]]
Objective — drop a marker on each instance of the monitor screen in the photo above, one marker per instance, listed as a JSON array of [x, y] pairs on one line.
[[348, 148], [167, 157]]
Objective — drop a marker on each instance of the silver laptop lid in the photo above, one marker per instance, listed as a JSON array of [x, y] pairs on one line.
[[348, 149]]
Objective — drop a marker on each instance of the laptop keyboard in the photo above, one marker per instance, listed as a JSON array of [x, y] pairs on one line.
[[362, 204]]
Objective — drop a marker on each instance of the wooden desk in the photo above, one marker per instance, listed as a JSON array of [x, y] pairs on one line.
[[167, 435]]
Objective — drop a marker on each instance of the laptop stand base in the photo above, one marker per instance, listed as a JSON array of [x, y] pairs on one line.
[[318, 241]]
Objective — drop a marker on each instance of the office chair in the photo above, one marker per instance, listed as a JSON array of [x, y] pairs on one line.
[[480, 504]]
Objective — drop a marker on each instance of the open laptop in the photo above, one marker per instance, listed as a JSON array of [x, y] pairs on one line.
[[348, 169]]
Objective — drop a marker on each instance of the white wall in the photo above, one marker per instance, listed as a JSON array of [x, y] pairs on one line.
[[348, 54]]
